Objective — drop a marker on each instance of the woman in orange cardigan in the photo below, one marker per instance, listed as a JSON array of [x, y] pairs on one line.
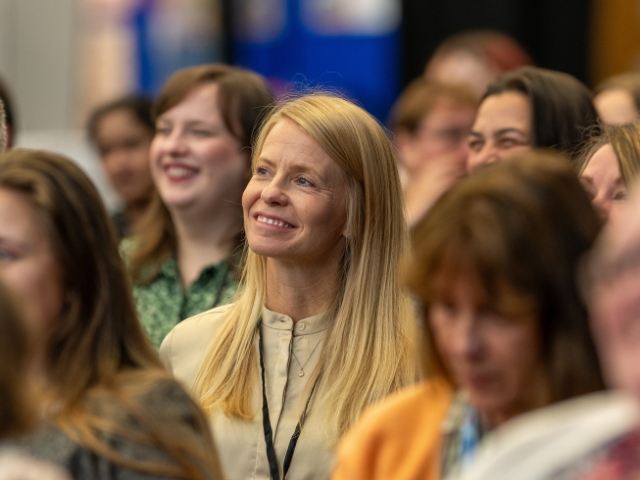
[[505, 329]]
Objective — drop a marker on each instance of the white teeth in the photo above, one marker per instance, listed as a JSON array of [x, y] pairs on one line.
[[180, 172], [271, 221]]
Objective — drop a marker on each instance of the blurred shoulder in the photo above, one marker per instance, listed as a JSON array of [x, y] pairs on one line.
[[398, 438], [535, 445]]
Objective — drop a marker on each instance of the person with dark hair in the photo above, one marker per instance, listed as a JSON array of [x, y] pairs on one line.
[[5, 99], [185, 258], [431, 122], [531, 108], [109, 409], [609, 164], [122, 131], [618, 99], [505, 330]]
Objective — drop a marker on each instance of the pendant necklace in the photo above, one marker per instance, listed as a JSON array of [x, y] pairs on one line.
[[301, 372]]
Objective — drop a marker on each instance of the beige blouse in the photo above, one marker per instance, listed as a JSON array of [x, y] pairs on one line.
[[241, 443]]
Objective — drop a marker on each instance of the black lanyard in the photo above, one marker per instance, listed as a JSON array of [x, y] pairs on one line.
[[266, 424]]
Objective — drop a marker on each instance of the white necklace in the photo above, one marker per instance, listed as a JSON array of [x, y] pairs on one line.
[[301, 372]]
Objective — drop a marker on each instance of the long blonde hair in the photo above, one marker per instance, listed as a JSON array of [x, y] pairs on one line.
[[368, 350]]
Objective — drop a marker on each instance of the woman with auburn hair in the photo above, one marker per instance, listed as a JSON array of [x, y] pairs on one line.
[[609, 164], [185, 259], [505, 329], [322, 328], [109, 409], [531, 108]]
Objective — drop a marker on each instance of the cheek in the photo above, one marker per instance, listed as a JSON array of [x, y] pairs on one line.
[[515, 351], [249, 197], [39, 291]]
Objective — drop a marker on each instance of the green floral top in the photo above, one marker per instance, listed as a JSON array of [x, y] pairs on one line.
[[162, 304]]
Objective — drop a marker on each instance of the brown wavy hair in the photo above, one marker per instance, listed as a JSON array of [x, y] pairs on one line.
[[243, 96], [16, 403], [96, 352], [523, 223]]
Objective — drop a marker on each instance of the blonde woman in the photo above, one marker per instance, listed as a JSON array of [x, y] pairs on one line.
[[322, 328]]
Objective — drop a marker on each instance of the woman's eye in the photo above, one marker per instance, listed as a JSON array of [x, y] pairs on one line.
[[202, 133], [6, 255], [304, 182], [475, 145], [164, 131], [507, 143], [620, 196], [261, 171]]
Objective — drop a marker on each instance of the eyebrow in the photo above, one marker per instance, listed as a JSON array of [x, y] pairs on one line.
[[294, 165], [502, 131]]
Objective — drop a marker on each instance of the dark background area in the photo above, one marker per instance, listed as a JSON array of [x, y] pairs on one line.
[[554, 32]]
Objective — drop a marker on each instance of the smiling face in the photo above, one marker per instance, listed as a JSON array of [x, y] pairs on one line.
[[295, 204], [196, 163], [603, 182], [502, 129], [123, 143], [28, 266], [492, 356]]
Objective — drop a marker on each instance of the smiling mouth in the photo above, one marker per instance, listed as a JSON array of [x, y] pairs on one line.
[[274, 222], [180, 173]]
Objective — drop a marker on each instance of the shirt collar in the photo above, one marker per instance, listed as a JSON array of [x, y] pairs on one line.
[[306, 326]]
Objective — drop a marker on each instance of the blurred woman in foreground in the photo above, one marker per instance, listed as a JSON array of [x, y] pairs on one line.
[[505, 330], [608, 166], [109, 409]]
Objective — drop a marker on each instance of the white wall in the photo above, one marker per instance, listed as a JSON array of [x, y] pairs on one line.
[[39, 51]]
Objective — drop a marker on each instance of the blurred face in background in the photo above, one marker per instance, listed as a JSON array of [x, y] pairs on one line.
[[123, 143], [441, 135], [603, 182], [196, 162], [28, 266], [616, 106], [491, 351], [502, 129], [615, 298]]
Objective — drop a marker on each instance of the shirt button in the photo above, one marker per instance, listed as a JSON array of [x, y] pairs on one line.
[[302, 326]]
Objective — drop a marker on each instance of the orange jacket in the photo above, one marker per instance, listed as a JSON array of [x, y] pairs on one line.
[[398, 439]]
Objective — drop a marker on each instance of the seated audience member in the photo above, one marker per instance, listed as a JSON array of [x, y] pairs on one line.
[[618, 99], [122, 131], [475, 58], [322, 328], [505, 329], [109, 410], [531, 108], [431, 123], [609, 164], [596, 437], [5, 99], [185, 259]]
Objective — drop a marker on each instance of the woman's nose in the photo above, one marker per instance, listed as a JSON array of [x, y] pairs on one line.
[[274, 193], [488, 154], [602, 206]]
